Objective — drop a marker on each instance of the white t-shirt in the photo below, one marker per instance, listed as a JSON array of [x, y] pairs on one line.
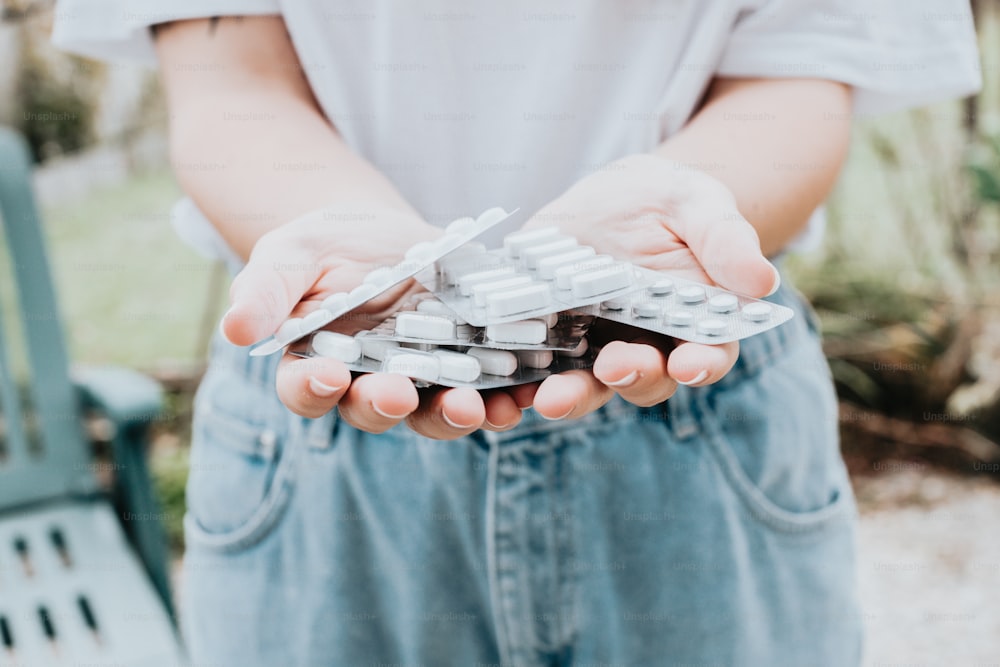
[[468, 104]]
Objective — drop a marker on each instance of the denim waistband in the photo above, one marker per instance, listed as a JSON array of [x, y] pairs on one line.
[[756, 353]]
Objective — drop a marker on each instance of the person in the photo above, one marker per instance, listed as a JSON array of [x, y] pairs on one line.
[[679, 504]]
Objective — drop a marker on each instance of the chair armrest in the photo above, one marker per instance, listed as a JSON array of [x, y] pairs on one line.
[[125, 396]]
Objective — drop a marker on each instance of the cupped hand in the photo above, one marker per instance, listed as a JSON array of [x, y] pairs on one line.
[[665, 216], [289, 273]]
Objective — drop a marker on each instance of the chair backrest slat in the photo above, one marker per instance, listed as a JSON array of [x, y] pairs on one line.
[[62, 464]]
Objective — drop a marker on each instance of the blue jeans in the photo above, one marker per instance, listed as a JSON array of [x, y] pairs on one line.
[[714, 529]]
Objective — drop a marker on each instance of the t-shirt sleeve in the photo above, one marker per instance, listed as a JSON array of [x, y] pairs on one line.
[[894, 54], [119, 29]]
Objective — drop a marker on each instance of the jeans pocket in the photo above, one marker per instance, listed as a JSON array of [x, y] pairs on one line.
[[775, 437], [241, 468]]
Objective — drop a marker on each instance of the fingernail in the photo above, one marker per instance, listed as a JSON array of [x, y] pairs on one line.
[[499, 427], [626, 381], [448, 420], [553, 419], [321, 389], [695, 380], [383, 413], [777, 280], [222, 325]]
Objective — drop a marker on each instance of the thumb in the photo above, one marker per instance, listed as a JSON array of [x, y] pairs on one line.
[[263, 295]]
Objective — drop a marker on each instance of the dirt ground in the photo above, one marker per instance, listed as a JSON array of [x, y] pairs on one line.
[[929, 569]]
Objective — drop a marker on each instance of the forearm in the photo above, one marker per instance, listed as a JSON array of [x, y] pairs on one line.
[[249, 144], [778, 145]]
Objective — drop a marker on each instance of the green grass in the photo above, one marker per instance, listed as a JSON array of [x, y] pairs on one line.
[[130, 291]]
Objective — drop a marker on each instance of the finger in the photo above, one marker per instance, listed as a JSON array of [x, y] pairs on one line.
[[376, 402], [502, 411], [523, 394], [446, 414], [311, 387], [725, 244], [277, 275], [570, 395], [637, 372], [698, 365]]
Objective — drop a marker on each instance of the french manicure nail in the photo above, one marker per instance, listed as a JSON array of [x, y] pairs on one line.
[[448, 420], [383, 413], [321, 389], [626, 381], [553, 419], [777, 281], [695, 380]]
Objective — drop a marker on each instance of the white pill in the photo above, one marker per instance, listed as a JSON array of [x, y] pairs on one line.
[[362, 293], [550, 319], [526, 332], [757, 312], [464, 331], [578, 351], [421, 252], [647, 309], [680, 318], [377, 349], [467, 281], [440, 247], [535, 358], [515, 242], [470, 249], [490, 216], [335, 303], [461, 226], [534, 254], [564, 274], [289, 330], [483, 290], [712, 326], [661, 287], [411, 364], [602, 281], [316, 319], [615, 304], [423, 326], [723, 303], [691, 294], [337, 346], [457, 366], [518, 300], [547, 265], [381, 277], [495, 362]]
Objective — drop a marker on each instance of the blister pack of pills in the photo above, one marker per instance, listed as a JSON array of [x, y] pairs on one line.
[[449, 366], [537, 272], [417, 258], [433, 322], [694, 312]]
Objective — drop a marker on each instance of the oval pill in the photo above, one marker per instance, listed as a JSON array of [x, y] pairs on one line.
[[547, 266], [289, 330], [712, 326], [427, 327], [602, 281], [490, 216], [335, 303], [535, 358], [680, 318], [457, 366], [526, 332], [316, 319], [532, 255], [469, 280], [518, 300], [337, 346], [411, 364], [515, 242], [377, 349], [483, 290], [661, 287], [564, 274], [647, 309], [615, 304], [495, 362], [691, 294], [461, 225], [757, 312], [578, 351], [723, 303], [362, 293]]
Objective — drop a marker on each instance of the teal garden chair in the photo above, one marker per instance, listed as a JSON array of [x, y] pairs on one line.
[[83, 570]]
